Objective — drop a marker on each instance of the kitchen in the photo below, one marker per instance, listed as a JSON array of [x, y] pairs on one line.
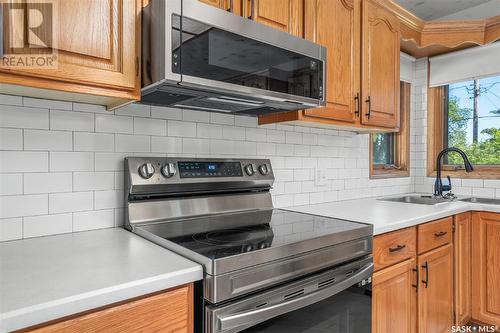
[[249, 166]]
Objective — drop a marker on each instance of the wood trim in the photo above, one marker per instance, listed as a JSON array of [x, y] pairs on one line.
[[462, 239], [448, 35], [435, 126], [402, 157]]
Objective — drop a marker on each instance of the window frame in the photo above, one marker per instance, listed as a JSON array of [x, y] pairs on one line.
[[436, 99], [402, 141]]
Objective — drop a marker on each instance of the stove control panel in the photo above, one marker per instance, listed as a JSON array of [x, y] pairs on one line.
[[144, 173]]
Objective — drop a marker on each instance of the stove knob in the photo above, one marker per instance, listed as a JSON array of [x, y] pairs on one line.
[[263, 169], [168, 170], [250, 169], [147, 170]]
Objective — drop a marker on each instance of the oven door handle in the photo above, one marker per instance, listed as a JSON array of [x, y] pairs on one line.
[[254, 316]]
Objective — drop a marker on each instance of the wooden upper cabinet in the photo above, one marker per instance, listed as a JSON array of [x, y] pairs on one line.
[[394, 298], [435, 293], [229, 5], [486, 272], [336, 25], [380, 66], [285, 15], [97, 47], [462, 270]]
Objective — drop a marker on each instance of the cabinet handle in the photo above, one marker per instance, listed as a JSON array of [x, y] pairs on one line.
[[369, 101], [358, 104], [440, 234], [231, 8], [416, 279], [397, 248], [426, 267], [245, 8]]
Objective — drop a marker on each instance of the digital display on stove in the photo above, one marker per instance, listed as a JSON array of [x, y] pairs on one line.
[[189, 169]]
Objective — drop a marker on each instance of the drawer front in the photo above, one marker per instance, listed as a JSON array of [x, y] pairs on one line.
[[394, 247], [434, 234]]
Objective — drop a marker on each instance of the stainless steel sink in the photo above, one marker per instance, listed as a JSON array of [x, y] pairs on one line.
[[482, 200], [418, 199]]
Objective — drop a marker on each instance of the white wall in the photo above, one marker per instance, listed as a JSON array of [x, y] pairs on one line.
[[61, 163], [484, 10], [476, 187]]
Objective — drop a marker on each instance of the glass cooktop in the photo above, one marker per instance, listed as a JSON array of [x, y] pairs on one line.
[[224, 235]]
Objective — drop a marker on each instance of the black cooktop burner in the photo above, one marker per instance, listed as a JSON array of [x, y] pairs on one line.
[[219, 236]]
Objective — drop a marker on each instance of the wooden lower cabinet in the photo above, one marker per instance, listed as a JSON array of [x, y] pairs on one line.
[[169, 311], [486, 264], [435, 293], [462, 243], [394, 298]]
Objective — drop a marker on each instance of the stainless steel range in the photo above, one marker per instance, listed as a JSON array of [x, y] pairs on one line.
[[266, 269]]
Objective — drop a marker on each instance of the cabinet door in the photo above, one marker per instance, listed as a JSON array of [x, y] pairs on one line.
[[285, 15], [97, 43], [170, 311], [435, 294], [462, 269], [394, 298], [486, 263], [380, 67], [336, 25], [233, 6]]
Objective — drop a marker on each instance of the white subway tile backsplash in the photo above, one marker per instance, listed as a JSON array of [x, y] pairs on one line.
[[195, 116], [161, 112], [109, 199], [182, 129], [71, 121], [109, 161], [48, 140], [209, 131], [22, 117], [245, 121], [195, 146], [11, 183], [132, 143], [146, 126], [11, 229], [23, 205], [221, 118], [233, 133], [71, 161], [89, 108], [47, 103], [23, 161], [11, 100], [93, 181], [94, 142], [135, 110], [70, 202], [109, 123], [44, 182], [45, 225], [166, 145], [97, 219], [11, 139]]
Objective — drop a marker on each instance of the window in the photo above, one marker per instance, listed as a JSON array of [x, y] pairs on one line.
[[466, 115], [390, 151]]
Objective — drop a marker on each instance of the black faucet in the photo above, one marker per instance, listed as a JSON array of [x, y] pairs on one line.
[[438, 185]]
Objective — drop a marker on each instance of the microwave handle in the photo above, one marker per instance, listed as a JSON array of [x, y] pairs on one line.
[[255, 316]]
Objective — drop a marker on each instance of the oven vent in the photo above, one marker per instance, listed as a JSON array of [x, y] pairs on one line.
[[294, 294], [326, 283]]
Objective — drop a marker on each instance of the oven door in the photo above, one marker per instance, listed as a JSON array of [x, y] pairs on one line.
[[333, 301]]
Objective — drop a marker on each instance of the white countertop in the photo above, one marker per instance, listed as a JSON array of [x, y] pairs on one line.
[[389, 216], [45, 278]]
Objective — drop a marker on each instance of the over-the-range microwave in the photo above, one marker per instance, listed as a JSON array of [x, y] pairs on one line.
[[200, 57]]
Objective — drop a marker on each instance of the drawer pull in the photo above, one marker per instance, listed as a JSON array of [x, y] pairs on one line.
[[440, 234], [426, 280], [397, 248]]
